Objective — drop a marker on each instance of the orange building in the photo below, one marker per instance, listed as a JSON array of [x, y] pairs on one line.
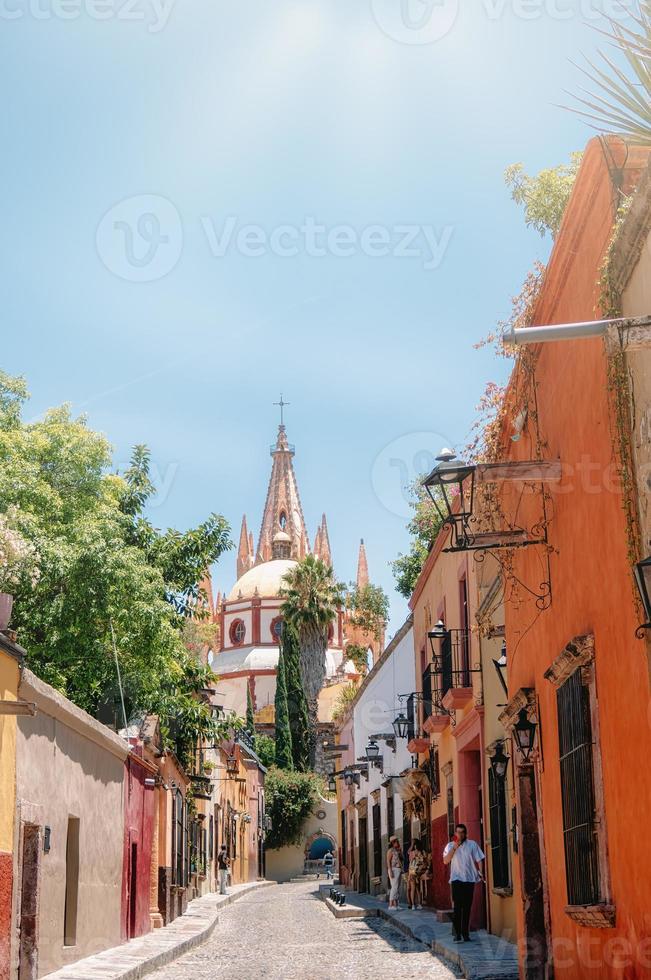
[[576, 669]]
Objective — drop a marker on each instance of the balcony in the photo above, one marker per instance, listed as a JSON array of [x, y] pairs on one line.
[[450, 682], [415, 743]]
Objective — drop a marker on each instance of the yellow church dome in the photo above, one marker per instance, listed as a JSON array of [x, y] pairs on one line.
[[265, 580]]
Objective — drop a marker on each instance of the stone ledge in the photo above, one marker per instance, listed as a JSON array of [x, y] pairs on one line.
[[592, 916], [141, 956]]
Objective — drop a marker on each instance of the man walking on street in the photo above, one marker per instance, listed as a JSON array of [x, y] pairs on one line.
[[465, 858], [222, 866]]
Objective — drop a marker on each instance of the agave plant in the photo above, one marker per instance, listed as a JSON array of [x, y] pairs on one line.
[[622, 101]]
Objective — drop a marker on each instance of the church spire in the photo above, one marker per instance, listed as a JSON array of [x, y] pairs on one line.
[[283, 514], [322, 543], [244, 551], [362, 567]]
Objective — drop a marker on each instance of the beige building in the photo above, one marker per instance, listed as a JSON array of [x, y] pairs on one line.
[[69, 833]]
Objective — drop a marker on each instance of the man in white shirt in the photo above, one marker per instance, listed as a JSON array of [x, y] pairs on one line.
[[465, 858]]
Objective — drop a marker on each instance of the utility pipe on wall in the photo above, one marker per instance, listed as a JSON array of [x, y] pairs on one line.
[[571, 331]]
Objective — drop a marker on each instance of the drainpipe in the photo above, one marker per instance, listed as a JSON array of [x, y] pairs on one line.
[[571, 331]]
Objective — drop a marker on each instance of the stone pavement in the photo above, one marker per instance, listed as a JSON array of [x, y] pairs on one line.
[[141, 956], [287, 933], [487, 957]]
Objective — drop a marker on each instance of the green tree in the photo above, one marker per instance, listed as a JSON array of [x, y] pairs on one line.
[[369, 608], [545, 196], [265, 748], [312, 599], [290, 798], [621, 103], [108, 584], [250, 720], [359, 656], [299, 723], [423, 528], [284, 758]]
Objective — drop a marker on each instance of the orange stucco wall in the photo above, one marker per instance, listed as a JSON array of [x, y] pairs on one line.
[[592, 590]]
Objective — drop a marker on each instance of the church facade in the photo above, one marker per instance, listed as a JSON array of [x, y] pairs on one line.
[[249, 616]]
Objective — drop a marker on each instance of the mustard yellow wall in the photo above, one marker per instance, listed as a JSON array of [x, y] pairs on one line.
[[9, 678]]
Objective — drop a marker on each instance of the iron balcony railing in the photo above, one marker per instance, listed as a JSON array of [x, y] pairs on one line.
[[451, 668]]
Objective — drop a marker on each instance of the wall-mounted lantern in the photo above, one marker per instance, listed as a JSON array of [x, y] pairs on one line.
[[524, 732], [499, 762], [451, 487], [401, 725]]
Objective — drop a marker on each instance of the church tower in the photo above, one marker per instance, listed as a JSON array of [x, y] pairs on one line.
[[283, 533]]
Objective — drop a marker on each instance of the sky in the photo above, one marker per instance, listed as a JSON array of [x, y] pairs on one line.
[[207, 204]]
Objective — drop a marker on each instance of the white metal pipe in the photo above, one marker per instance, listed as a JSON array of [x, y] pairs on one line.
[[570, 331]]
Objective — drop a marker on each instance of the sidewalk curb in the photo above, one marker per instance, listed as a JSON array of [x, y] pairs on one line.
[[131, 959]]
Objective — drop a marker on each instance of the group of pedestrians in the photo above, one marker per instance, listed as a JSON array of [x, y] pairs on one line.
[[465, 859]]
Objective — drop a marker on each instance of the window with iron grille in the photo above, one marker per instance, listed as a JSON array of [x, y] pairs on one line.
[[391, 818], [411, 718], [377, 842], [427, 693], [499, 831], [344, 841], [178, 841], [577, 792]]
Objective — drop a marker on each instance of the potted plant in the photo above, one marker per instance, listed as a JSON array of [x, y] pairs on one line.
[[18, 564]]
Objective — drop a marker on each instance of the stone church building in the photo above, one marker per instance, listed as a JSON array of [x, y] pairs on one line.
[[249, 616]]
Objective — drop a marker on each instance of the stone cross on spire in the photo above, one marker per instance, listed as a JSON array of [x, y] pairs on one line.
[[281, 404]]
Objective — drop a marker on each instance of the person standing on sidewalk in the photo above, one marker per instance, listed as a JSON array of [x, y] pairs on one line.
[[465, 858], [394, 870], [223, 865]]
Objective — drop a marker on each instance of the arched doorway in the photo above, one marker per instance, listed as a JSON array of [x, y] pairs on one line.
[[319, 847]]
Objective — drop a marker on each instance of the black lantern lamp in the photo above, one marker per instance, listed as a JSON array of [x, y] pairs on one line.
[[499, 762], [437, 633], [232, 767], [348, 776], [451, 487], [372, 751], [400, 725], [643, 581], [332, 785], [525, 733]]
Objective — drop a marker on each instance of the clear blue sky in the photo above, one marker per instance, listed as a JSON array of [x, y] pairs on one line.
[[269, 113]]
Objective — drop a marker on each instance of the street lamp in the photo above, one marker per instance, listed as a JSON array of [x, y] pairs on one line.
[[231, 765], [401, 725], [499, 762], [332, 785], [525, 733], [643, 581], [372, 750], [439, 632], [451, 488]]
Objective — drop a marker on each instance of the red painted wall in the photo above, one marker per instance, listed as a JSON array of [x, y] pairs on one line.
[[6, 879], [138, 830], [592, 590]]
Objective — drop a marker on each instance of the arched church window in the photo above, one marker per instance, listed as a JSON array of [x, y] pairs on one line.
[[237, 632], [276, 628], [282, 520]]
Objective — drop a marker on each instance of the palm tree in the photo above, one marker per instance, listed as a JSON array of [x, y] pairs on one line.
[[622, 102], [312, 599]]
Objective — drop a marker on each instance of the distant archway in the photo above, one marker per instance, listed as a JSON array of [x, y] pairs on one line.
[[318, 845]]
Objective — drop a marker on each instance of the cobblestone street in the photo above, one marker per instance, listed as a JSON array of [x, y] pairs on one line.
[[287, 933]]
